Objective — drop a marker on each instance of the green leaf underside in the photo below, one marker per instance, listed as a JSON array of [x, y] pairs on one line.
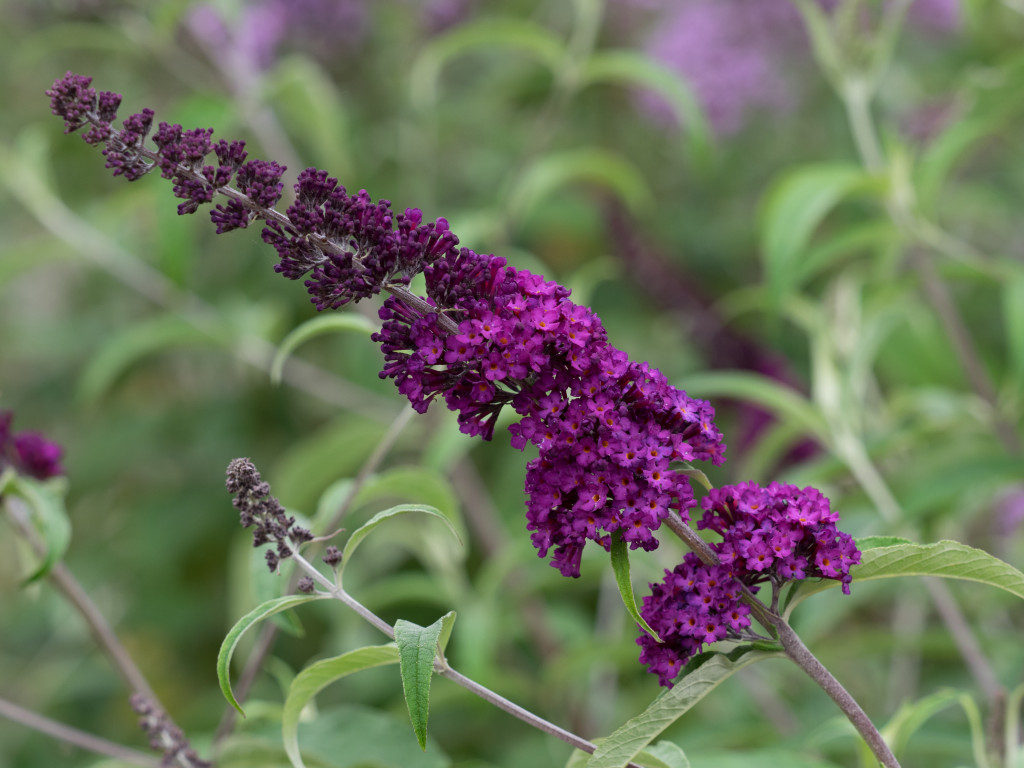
[[367, 528], [256, 615], [620, 567], [312, 328], [944, 559], [45, 500], [447, 624], [710, 671], [318, 676], [417, 647]]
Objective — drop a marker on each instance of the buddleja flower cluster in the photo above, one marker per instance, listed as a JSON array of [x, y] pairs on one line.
[[769, 535], [486, 335], [609, 431], [28, 453]]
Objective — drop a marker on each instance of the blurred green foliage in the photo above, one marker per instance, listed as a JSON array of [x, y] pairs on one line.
[[770, 266]]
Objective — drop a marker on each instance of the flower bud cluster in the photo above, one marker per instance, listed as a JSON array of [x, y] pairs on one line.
[[164, 736], [257, 507], [776, 534], [607, 428], [29, 453]]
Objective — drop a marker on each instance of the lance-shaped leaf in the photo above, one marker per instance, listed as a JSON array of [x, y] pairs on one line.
[[347, 321], [256, 615], [417, 647], [620, 567], [318, 676], [364, 530], [946, 559], [702, 675]]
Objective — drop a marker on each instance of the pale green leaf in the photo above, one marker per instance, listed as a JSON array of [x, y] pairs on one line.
[[633, 68], [317, 326], [592, 165], [307, 100], [912, 715], [417, 647], [447, 625], [47, 515], [256, 615], [669, 753], [786, 403], [314, 678], [423, 485], [367, 528], [791, 211], [945, 559], [620, 567], [628, 741], [1013, 317], [135, 342], [485, 35]]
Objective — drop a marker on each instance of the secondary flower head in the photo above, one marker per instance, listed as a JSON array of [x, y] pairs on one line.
[[29, 453], [257, 507], [486, 335], [776, 534]]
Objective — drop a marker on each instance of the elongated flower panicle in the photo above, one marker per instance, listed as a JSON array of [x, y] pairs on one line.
[[28, 453], [769, 535], [257, 507], [486, 335]]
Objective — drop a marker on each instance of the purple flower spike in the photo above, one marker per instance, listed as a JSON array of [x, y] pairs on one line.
[[484, 336], [776, 534]]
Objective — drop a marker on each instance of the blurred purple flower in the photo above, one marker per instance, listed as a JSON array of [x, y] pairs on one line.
[[28, 452], [733, 53], [942, 16], [1010, 512], [322, 28], [729, 51]]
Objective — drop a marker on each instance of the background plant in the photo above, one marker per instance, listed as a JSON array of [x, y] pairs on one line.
[[648, 223]]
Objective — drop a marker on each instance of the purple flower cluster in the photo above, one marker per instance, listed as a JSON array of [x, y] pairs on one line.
[[28, 452], [256, 507], [607, 428], [776, 534]]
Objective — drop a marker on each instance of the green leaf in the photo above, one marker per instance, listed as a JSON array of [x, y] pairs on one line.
[[1013, 317], [945, 559], [709, 671], [668, 753], [417, 647], [48, 516], [447, 624], [422, 485], [137, 341], [912, 715], [630, 67], [312, 464], [318, 676], [793, 208], [317, 326], [786, 403], [620, 567], [595, 165], [307, 100], [256, 615], [367, 528], [871, 542], [483, 35]]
